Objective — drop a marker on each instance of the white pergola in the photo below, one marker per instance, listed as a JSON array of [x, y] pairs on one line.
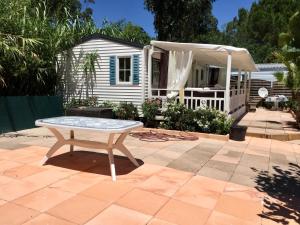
[[217, 55]]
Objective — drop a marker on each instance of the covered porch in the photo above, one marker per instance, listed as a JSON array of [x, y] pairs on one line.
[[200, 75]]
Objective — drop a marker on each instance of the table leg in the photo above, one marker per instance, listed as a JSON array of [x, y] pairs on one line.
[[126, 152], [111, 156], [121, 147], [71, 137], [60, 142], [112, 165]]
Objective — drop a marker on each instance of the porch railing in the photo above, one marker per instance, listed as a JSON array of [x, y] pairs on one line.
[[195, 98], [237, 99]]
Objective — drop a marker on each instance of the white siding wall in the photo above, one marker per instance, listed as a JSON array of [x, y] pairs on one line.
[[75, 83]]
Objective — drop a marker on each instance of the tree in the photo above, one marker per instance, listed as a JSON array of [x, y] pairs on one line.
[[182, 20], [125, 30], [57, 8], [290, 55], [30, 41], [258, 29]]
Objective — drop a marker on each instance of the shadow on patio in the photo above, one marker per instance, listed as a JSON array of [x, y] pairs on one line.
[[92, 162], [282, 205]]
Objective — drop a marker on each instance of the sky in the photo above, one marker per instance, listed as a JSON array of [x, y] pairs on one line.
[[134, 11]]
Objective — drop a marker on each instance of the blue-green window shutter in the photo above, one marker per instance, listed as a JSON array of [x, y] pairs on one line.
[[112, 70], [136, 69]]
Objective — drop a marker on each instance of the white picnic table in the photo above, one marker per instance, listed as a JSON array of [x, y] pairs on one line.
[[72, 123]]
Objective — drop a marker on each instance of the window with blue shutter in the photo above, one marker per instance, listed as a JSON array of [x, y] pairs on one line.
[[136, 69], [112, 70]]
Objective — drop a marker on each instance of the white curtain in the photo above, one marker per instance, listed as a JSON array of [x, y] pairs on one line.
[[180, 64]]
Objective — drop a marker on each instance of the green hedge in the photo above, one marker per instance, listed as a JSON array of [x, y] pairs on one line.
[[20, 112]]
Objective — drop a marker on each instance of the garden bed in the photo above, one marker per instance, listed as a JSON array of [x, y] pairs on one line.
[[188, 133]]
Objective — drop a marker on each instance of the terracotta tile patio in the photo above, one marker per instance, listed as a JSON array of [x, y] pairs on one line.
[[206, 181], [279, 125]]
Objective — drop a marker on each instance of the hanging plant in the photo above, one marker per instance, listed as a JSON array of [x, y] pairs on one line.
[[89, 62]]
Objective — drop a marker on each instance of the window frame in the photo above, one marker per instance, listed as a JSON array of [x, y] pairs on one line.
[[118, 82]]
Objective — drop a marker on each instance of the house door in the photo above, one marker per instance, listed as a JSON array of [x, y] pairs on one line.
[[198, 77], [214, 76]]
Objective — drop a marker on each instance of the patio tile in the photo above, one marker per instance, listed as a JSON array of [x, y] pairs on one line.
[[107, 190], [2, 202], [183, 213], [215, 173], [78, 209], [117, 215], [15, 215], [156, 221], [22, 171], [158, 160], [188, 163], [47, 177], [5, 180], [225, 158], [242, 209], [44, 199], [164, 184], [220, 165], [45, 219], [245, 180], [143, 201], [5, 165], [77, 183], [16, 189], [218, 218], [243, 192], [147, 170], [193, 193]]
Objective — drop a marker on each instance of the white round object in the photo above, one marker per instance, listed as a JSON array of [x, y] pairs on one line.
[[263, 92]]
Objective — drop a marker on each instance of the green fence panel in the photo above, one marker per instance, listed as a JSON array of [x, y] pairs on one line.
[[5, 120], [20, 112]]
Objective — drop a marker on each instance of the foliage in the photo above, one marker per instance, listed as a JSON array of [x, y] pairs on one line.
[[125, 30], [178, 117], [108, 104], [57, 8], [88, 102], [181, 20], [30, 40], [290, 55], [258, 29], [126, 111], [212, 121], [89, 71], [32, 35], [268, 105], [293, 105], [150, 109]]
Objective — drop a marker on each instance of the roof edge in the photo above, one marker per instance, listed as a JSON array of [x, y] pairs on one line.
[[96, 36]]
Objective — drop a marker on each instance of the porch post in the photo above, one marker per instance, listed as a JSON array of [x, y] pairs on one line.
[[245, 86], [181, 96], [239, 83], [150, 72], [249, 87], [227, 90]]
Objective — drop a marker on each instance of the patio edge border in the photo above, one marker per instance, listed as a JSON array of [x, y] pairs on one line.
[[198, 134]]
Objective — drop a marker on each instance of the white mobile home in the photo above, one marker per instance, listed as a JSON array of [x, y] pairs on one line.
[[198, 75]]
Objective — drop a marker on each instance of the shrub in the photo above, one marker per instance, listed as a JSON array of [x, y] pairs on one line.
[[126, 111], [212, 121], [293, 105], [178, 117], [88, 102], [150, 109], [268, 105]]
